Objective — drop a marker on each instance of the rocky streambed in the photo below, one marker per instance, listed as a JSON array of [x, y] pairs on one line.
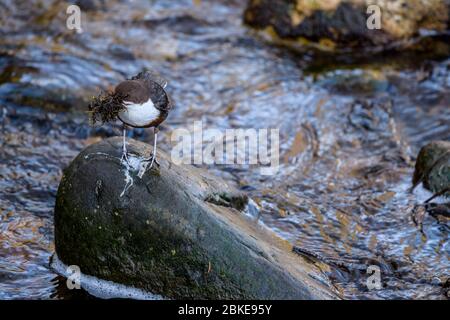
[[351, 127]]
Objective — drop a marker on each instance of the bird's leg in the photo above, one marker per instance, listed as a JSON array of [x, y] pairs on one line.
[[124, 146], [152, 158], [153, 154], [155, 133]]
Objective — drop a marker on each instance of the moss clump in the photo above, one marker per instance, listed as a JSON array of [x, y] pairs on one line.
[[228, 200], [106, 107]]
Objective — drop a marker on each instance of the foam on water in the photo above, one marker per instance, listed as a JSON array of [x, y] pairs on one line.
[[102, 288], [252, 209], [423, 195]]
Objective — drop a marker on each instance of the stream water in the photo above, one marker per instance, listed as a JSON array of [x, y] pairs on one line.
[[350, 128]]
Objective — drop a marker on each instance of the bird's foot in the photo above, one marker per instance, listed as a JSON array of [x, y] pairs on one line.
[[152, 160], [148, 164], [125, 159]]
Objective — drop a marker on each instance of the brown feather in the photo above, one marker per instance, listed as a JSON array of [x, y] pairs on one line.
[[134, 90]]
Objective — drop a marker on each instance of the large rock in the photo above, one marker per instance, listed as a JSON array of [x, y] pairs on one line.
[[433, 167], [343, 23], [176, 232]]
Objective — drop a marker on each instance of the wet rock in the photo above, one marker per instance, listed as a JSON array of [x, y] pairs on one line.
[[446, 288], [339, 23], [176, 232], [359, 82], [433, 167], [439, 211], [90, 5]]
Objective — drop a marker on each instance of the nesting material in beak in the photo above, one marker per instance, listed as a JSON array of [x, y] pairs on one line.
[[106, 107]]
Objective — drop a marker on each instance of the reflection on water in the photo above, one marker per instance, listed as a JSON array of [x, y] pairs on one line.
[[349, 133]]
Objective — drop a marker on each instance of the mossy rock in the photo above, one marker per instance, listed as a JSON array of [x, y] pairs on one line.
[[433, 167], [176, 232], [342, 24]]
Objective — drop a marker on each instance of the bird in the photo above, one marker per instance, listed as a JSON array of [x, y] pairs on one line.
[[138, 102]]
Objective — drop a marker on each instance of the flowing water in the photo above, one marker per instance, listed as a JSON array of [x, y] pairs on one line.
[[350, 128]]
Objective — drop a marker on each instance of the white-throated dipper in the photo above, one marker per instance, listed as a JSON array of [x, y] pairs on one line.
[[140, 102]]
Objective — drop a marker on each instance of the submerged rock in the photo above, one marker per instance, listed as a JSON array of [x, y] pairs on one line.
[[343, 23], [177, 232], [433, 167]]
